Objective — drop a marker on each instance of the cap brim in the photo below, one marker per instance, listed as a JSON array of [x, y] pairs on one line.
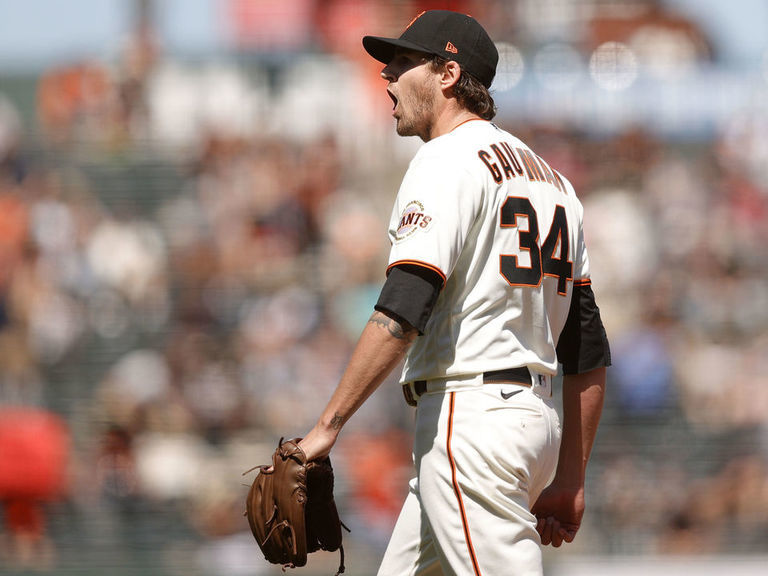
[[383, 49]]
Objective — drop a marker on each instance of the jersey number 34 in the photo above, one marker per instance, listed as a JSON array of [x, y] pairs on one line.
[[549, 259]]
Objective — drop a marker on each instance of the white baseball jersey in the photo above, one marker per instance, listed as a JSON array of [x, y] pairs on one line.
[[504, 230]]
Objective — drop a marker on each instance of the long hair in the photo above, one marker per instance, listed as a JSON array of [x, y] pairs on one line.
[[469, 92]]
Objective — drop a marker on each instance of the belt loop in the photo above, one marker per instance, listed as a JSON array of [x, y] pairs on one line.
[[408, 393], [543, 385]]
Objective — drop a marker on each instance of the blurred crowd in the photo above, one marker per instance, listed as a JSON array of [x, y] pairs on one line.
[[188, 253]]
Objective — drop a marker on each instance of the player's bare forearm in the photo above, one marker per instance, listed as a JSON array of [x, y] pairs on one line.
[[582, 408], [560, 507], [382, 345]]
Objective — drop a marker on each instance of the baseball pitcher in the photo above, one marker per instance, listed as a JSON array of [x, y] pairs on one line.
[[487, 293]]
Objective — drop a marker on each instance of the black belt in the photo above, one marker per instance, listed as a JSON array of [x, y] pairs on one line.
[[520, 375]]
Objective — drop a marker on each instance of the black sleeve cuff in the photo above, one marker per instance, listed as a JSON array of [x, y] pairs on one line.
[[410, 293], [583, 343]]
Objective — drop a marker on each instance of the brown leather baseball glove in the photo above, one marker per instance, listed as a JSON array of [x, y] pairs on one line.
[[291, 510]]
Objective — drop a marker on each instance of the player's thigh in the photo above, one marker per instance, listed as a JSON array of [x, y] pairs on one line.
[[411, 550], [518, 439], [504, 449], [476, 478]]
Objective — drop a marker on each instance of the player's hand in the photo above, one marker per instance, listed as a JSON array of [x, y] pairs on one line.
[[559, 512], [317, 444]]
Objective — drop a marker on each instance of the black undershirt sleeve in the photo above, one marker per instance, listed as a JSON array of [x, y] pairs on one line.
[[583, 343], [410, 293]]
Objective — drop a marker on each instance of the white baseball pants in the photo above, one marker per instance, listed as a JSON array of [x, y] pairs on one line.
[[481, 461]]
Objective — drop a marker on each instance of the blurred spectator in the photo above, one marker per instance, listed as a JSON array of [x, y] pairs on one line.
[[76, 100], [263, 26], [14, 223], [21, 381], [133, 383], [378, 479], [116, 476], [643, 371], [12, 166], [666, 42], [34, 449], [227, 548], [725, 511], [140, 55]]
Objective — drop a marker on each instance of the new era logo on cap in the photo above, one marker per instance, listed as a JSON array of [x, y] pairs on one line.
[[448, 34]]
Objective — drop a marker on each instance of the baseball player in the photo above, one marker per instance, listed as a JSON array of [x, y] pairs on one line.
[[487, 292]]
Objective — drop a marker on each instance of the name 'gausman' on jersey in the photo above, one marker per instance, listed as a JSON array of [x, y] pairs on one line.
[[515, 162]]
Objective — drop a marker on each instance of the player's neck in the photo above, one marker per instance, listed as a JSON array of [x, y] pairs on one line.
[[449, 119]]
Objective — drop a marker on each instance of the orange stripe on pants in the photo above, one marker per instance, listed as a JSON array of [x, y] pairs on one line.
[[457, 491]]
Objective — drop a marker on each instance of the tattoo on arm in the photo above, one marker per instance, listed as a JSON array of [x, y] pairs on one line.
[[336, 421], [401, 331]]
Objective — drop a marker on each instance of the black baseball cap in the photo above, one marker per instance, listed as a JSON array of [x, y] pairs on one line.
[[451, 35]]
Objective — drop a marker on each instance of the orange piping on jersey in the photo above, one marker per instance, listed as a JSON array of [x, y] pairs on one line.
[[582, 282], [457, 490], [418, 263], [464, 122]]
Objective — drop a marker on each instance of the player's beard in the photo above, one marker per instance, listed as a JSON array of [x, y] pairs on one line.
[[416, 109]]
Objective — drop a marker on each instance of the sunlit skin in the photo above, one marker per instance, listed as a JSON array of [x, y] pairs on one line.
[[412, 88], [423, 102]]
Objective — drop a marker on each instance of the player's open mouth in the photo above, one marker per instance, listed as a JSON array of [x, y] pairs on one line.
[[394, 99]]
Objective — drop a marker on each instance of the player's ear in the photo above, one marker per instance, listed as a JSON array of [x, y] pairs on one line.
[[450, 74]]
